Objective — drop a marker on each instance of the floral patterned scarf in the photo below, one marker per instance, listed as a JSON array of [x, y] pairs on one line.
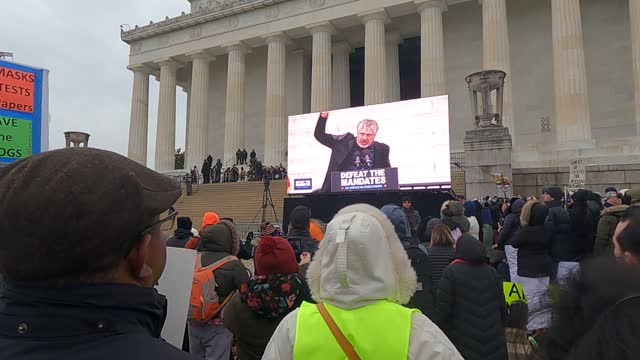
[[274, 296]]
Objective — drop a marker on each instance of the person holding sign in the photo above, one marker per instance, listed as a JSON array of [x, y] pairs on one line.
[[352, 152]]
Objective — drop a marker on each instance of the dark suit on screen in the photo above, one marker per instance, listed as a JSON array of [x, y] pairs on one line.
[[341, 147]]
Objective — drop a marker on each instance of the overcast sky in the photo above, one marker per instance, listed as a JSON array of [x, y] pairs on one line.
[[89, 84]]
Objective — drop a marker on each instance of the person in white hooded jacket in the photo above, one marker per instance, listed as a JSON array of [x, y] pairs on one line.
[[361, 275]]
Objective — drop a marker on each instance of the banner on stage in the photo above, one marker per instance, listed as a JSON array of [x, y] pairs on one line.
[[24, 111], [409, 138], [362, 180]]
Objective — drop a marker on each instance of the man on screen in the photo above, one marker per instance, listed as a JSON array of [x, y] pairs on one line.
[[349, 152]]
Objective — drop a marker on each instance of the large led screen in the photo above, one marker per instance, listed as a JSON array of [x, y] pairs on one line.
[[371, 148]]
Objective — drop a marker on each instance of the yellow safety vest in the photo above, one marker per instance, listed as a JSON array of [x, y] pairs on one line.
[[377, 331]]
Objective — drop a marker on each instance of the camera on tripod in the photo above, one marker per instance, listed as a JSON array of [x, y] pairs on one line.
[[266, 181]]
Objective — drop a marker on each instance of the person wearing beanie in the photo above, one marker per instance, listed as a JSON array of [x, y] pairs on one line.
[[470, 211], [557, 227], [471, 307], [276, 289], [412, 215], [534, 263], [211, 340], [361, 275], [455, 211], [299, 236], [182, 234], [208, 219], [507, 234], [423, 299]]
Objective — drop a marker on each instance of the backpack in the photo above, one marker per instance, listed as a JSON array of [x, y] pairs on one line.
[[204, 303]]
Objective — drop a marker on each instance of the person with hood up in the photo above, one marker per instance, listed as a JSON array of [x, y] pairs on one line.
[[418, 254], [299, 236], [455, 211], [208, 219], [507, 234], [557, 227], [276, 289], [534, 263], [211, 340], [360, 275], [182, 234], [470, 307], [470, 211]]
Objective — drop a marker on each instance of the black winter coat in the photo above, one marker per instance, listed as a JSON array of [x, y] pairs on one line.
[[557, 230], [509, 230], [439, 258], [180, 238], [583, 231], [533, 247], [84, 322], [423, 298], [471, 308]]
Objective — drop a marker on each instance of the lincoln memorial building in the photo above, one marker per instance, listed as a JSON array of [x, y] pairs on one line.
[[572, 88]]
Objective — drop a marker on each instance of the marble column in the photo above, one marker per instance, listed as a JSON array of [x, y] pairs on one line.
[[188, 120], [234, 126], [393, 66], [570, 76], [321, 66], [432, 75], [634, 11], [166, 129], [139, 123], [495, 41], [375, 57], [197, 128], [341, 76], [275, 137]]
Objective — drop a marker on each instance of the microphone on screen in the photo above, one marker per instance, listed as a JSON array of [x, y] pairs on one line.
[[358, 159], [367, 158]]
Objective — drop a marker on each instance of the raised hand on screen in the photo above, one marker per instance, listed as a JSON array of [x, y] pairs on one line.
[[324, 114]]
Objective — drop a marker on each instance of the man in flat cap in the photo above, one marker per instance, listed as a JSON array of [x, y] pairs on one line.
[[81, 249]]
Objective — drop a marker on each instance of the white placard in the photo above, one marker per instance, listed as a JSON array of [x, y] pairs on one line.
[[577, 175], [175, 284]]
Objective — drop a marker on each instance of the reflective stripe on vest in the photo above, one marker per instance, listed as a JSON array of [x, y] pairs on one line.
[[377, 331]]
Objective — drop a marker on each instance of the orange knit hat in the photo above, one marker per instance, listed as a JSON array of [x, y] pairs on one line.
[[209, 218]]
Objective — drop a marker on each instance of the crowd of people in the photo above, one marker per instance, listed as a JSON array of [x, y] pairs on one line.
[[217, 173], [78, 277]]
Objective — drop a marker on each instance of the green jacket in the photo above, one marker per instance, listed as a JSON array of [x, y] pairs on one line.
[[606, 228]]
